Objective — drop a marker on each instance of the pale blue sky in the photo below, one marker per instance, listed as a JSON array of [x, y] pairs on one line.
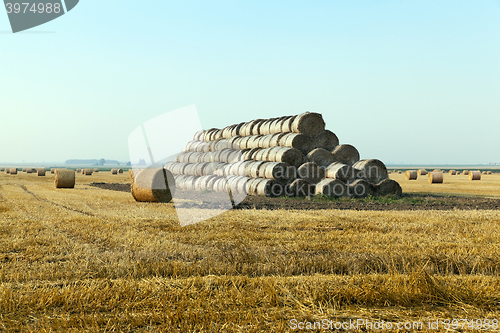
[[403, 81]]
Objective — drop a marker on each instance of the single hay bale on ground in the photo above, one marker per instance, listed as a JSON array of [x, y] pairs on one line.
[[114, 171], [489, 172], [326, 140], [153, 185], [475, 175], [24, 169], [96, 169], [372, 170], [64, 178], [484, 173], [311, 172], [332, 188], [360, 188], [452, 172], [13, 171], [389, 187], [321, 157], [435, 177], [309, 123], [87, 172], [120, 170], [41, 172], [411, 175], [29, 170], [465, 172], [422, 172], [346, 154], [342, 172], [300, 188]]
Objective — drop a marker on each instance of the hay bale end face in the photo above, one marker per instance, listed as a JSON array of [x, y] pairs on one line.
[[422, 172], [88, 172], [41, 172], [321, 157], [309, 123], [64, 178], [153, 185], [435, 177], [120, 170], [411, 175], [311, 172], [346, 154], [465, 172], [389, 187], [13, 171], [452, 172], [475, 175], [114, 171], [372, 170], [326, 140]]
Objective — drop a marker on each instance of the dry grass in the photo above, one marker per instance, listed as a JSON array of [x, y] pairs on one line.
[[86, 259]]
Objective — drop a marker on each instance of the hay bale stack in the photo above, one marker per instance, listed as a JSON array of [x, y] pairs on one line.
[[346, 154], [452, 172], [87, 172], [372, 170], [389, 187], [64, 178], [300, 188], [41, 172], [422, 172], [342, 172], [411, 175], [302, 142], [475, 175], [326, 140], [290, 156], [311, 172], [332, 188], [435, 177], [321, 157], [153, 185], [465, 172], [279, 171], [360, 188], [309, 123], [13, 171]]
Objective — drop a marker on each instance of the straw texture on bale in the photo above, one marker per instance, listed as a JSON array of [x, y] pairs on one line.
[[411, 175], [41, 172], [326, 140], [300, 188], [309, 123], [279, 171], [342, 172], [13, 171], [346, 154], [422, 172], [87, 172], [29, 170], [360, 188], [153, 185], [389, 187], [64, 178], [465, 172], [311, 172], [114, 171], [475, 175], [435, 177], [331, 187], [321, 157], [452, 172], [302, 142], [372, 170]]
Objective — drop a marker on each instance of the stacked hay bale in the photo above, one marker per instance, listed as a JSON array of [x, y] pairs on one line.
[[291, 155]]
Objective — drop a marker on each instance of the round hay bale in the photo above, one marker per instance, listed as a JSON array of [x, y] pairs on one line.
[[411, 174], [252, 169], [435, 177], [13, 171], [96, 170], [52, 170], [475, 175], [321, 157], [269, 188], [465, 172], [302, 142], [372, 170], [300, 188], [41, 172], [275, 140], [360, 188], [346, 154], [78, 170], [279, 171], [64, 178], [114, 171], [489, 172], [452, 172], [422, 172], [286, 125], [7, 170], [253, 142], [256, 126], [308, 123], [88, 172], [29, 170], [2, 169], [399, 172], [266, 141], [332, 188], [290, 156], [484, 173], [436, 170], [265, 128], [342, 172], [326, 140], [152, 185], [250, 154], [276, 126], [120, 170], [311, 172], [389, 187], [24, 169]]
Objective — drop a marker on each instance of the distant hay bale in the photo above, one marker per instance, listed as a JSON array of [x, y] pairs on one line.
[[24, 169], [153, 185], [309, 123], [64, 178], [475, 175], [484, 173], [342, 172], [87, 172], [29, 170], [78, 170], [41, 172], [489, 172], [435, 177], [96, 169], [399, 172], [452, 172], [311, 172], [422, 172], [346, 154], [411, 175], [389, 187], [2, 169], [115, 171], [331, 187], [326, 140], [436, 170], [302, 142], [52, 170], [372, 170], [13, 171], [120, 170], [300, 188], [465, 172], [360, 188], [321, 157]]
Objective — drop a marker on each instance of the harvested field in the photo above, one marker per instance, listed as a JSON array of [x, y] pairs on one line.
[[93, 257]]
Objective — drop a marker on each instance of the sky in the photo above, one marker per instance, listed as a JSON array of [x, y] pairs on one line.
[[402, 81]]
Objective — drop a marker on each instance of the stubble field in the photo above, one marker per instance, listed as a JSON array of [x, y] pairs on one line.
[[90, 259]]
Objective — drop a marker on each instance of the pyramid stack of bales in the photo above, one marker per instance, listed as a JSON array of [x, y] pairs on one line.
[[291, 155]]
